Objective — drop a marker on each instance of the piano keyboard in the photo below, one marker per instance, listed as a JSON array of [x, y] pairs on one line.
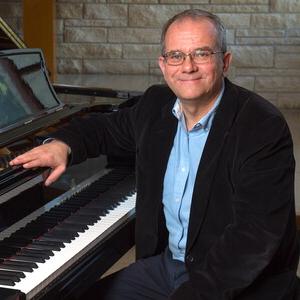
[[48, 242]]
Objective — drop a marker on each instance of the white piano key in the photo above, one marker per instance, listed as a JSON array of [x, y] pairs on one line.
[[46, 272]]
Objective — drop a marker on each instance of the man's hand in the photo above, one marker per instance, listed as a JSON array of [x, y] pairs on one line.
[[53, 155]]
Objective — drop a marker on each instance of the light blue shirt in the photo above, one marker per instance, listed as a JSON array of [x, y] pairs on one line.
[[180, 175]]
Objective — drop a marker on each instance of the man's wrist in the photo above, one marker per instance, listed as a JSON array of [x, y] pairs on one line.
[[49, 140]]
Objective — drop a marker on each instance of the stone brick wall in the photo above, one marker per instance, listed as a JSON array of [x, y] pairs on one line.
[[122, 37]]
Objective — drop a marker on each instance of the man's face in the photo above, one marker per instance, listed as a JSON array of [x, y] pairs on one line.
[[191, 81]]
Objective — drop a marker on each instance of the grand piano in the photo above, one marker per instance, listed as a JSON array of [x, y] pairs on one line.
[[55, 241]]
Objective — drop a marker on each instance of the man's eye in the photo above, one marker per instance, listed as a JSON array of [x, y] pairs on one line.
[[176, 56], [201, 54]]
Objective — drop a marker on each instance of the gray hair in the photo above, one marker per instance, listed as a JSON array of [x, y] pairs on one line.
[[197, 14]]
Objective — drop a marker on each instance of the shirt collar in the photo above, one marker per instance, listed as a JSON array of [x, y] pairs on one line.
[[206, 121]]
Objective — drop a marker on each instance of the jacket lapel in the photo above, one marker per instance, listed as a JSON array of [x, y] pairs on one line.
[[163, 133], [219, 131]]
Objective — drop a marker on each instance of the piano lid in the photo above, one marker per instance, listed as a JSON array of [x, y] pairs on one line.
[[25, 91]]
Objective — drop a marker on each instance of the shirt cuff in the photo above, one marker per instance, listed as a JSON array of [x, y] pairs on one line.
[[49, 140]]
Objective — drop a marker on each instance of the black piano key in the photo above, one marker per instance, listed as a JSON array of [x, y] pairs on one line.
[[85, 195], [28, 258], [12, 273], [8, 250], [7, 282], [82, 219], [49, 219], [23, 254], [52, 246], [61, 233], [15, 241], [64, 232], [55, 244], [67, 208], [62, 214], [40, 252], [72, 227], [10, 277], [17, 265], [29, 233], [93, 210]]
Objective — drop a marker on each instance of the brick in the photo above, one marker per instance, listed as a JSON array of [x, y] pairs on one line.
[[289, 61], [233, 8], [115, 66], [81, 1], [259, 33], [10, 9], [155, 71], [293, 32], [105, 11], [246, 82], [69, 66], [86, 34], [292, 40], [235, 21], [285, 6], [272, 97], [89, 51], [289, 100], [59, 26], [276, 83], [288, 49], [293, 20], [231, 73], [96, 23], [133, 1], [240, 1], [184, 1], [141, 51], [267, 72], [152, 15], [274, 21], [69, 10], [230, 36], [59, 39], [260, 41], [252, 56], [154, 68], [134, 35]]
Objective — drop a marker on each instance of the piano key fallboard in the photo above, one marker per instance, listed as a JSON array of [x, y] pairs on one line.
[[41, 247]]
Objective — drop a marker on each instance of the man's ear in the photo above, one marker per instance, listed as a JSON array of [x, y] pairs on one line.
[[227, 57], [161, 63]]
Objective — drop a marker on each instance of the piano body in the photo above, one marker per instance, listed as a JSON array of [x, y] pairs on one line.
[[55, 241]]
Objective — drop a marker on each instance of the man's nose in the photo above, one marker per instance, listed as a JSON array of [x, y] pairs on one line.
[[189, 65]]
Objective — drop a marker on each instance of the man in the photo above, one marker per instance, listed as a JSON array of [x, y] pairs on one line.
[[215, 212]]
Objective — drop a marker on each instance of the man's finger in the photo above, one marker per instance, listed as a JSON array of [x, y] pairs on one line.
[[54, 175]]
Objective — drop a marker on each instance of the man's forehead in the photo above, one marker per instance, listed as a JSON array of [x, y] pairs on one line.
[[199, 20], [188, 29]]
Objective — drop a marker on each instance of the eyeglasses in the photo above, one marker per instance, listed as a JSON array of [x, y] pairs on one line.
[[199, 56]]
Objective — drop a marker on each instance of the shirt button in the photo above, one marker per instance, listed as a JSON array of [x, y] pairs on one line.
[[177, 199], [183, 169], [190, 258]]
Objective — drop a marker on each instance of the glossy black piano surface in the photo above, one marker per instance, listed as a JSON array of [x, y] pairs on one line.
[[38, 223]]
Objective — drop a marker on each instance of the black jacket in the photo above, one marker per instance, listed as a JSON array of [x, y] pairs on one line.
[[242, 234]]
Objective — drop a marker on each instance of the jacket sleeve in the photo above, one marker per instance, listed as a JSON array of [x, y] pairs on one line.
[[100, 133], [263, 203]]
